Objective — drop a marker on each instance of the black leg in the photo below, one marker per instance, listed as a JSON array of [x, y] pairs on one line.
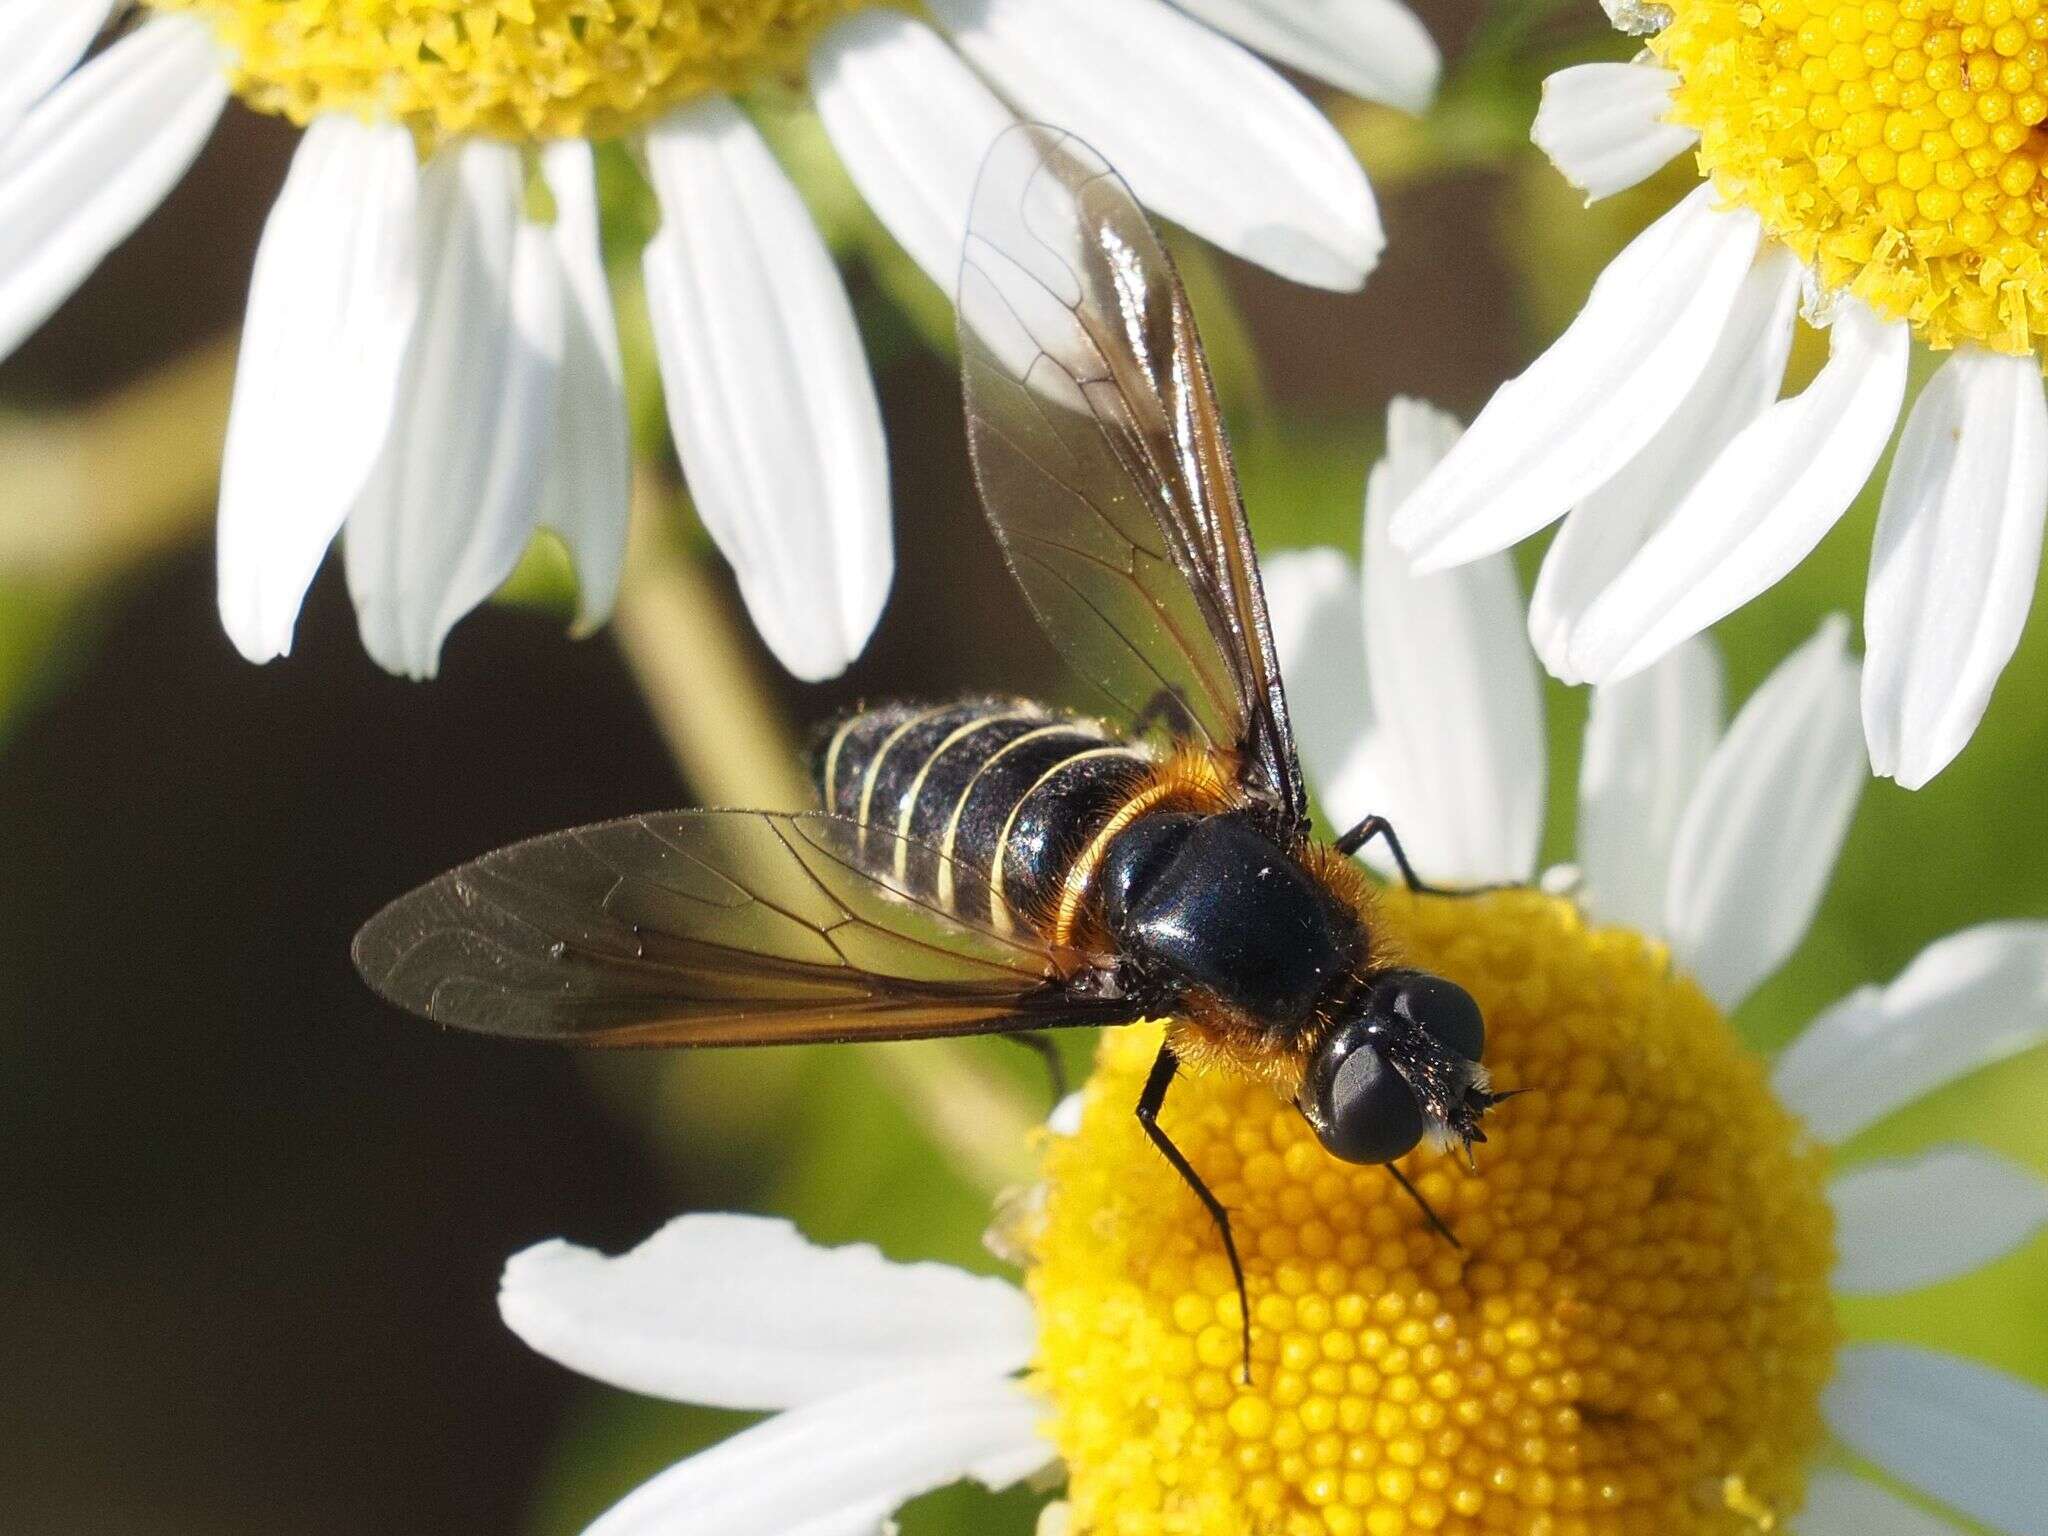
[[1055, 1069], [1379, 826], [1429, 1215], [1149, 1104]]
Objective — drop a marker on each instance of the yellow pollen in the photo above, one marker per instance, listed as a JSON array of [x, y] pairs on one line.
[[1896, 145], [510, 69], [1632, 1340]]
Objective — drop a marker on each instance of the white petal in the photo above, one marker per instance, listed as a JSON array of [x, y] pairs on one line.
[[913, 124], [769, 395], [1962, 1433], [1065, 1119], [93, 159], [1957, 552], [742, 1312], [1592, 401], [1648, 742], [1899, 1226], [453, 501], [1452, 675], [1770, 495], [39, 42], [1760, 834], [1603, 125], [1841, 1504], [331, 307], [1377, 49], [1606, 530], [1204, 133], [1967, 1000], [842, 1466], [585, 491], [1318, 624]]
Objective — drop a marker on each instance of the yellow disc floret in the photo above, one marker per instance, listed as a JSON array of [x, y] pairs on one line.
[[512, 69], [1632, 1338], [1896, 145]]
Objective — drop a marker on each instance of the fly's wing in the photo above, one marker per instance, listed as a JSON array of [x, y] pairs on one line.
[[1102, 461], [714, 928]]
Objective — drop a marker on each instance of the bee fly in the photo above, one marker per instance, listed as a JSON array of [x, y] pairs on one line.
[[999, 867]]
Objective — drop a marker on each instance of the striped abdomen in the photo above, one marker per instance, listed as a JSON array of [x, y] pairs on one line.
[[999, 785]]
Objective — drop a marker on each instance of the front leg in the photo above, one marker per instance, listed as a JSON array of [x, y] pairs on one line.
[[1150, 1102]]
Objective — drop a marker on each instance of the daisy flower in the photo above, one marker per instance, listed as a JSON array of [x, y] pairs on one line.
[[430, 361], [1876, 163], [1638, 1333]]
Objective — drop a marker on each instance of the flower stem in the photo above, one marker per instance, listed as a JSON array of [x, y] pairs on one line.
[[726, 729], [709, 697], [109, 485]]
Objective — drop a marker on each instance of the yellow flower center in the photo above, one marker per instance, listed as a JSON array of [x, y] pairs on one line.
[[509, 69], [1896, 145], [1633, 1338]]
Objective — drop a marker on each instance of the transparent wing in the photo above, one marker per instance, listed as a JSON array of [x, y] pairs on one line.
[[1102, 459], [714, 928]]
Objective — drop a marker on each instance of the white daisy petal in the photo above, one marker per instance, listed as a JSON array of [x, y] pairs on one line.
[[585, 489], [1318, 616], [842, 1466], [1447, 659], [1648, 742], [742, 1312], [1842, 1504], [1603, 125], [1953, 566], [912, 124], [1590, 403], [1268, 179], [769, 397], [1760, 834], [1759, 509], [1967, 1000], [453, 501], [39, 42], [331, 307], [1899, 1226], [1961, 1433], [1377, 49], [1606, 530], [93, 158]]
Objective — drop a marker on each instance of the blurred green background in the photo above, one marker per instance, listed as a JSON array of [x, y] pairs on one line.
[[251, 1221]]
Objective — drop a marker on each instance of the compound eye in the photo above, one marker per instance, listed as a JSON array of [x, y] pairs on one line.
[[1368, 1112], [1443, 1009]]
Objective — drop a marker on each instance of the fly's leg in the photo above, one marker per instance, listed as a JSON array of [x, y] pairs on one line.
[[1428, 1213], [1055, 1069], [1379, 826], [1149, 1104]]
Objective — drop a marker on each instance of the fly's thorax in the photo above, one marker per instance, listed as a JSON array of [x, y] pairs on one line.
[[1214, 907]]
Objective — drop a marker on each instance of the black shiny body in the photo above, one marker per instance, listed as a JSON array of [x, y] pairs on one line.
[[1212, 901]]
